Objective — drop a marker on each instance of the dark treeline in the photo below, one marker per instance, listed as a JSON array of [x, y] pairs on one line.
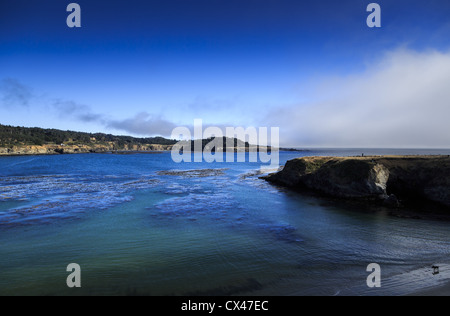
[[221, 142], [10, 136]]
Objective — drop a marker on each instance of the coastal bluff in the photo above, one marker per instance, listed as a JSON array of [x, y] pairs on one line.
[[391, 180], [24, 150]]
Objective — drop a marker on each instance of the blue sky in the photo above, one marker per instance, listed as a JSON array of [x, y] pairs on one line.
[[143, 67]]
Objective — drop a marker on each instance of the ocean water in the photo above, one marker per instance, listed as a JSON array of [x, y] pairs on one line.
[[141, 224]]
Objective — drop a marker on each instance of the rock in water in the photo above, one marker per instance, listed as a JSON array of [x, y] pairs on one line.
[[377, 178]]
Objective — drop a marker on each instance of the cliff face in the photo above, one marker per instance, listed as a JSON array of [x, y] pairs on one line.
[[75, 149], [375, 178]]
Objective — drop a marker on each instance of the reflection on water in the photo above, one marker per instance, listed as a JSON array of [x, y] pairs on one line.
[[143, 225]]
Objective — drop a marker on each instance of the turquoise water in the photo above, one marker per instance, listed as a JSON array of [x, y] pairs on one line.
[[139, 225]]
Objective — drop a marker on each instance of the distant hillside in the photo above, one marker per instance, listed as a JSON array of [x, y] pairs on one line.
[[39, 141], [221, 143], [19, 136]]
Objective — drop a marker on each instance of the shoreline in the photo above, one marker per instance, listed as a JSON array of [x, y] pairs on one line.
[[127, 152], [58, 150]]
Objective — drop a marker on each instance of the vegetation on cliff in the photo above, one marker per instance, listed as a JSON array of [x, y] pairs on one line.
[[22, 136], [29, 141]]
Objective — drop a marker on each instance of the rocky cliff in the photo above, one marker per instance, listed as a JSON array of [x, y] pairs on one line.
[[76, 149], [387, 179]]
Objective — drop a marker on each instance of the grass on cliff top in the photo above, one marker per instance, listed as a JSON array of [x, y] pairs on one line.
[[313, 164]]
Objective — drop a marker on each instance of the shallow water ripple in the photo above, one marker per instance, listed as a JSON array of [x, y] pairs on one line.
[[57, 196]]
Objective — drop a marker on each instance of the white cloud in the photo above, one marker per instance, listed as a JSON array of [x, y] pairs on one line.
[[401, 101], [143, 124]]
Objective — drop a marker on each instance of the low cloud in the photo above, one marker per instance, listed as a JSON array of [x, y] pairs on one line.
[[80, 112], [13, 93], [401, 101], [143, 124]]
